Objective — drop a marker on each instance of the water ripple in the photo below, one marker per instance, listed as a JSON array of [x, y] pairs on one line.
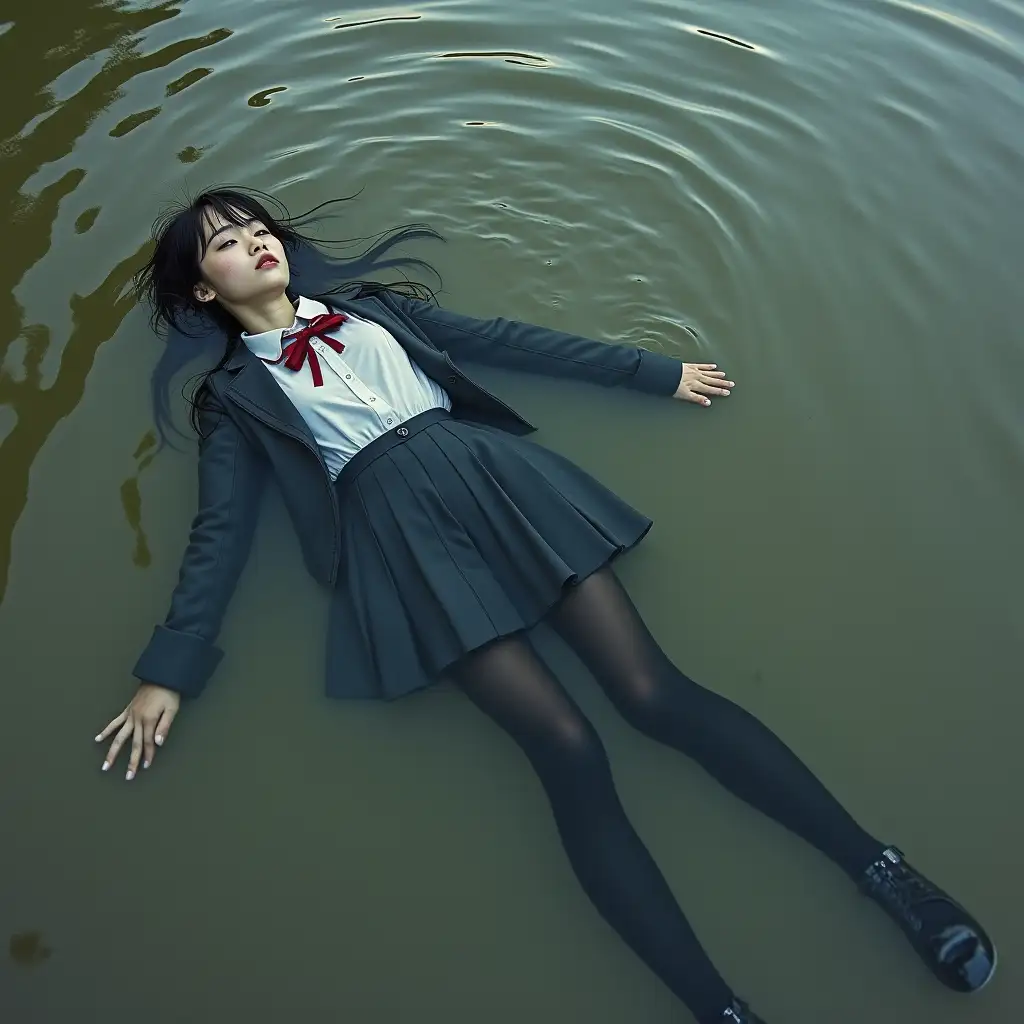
[[529, 59], [951, 36], [370, 21], [133, 121], [725, 39], [191, 78], [262, 98]]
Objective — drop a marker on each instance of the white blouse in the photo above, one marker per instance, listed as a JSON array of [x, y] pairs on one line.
[[368, 389]]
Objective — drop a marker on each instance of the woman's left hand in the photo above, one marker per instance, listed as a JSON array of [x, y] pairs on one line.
[[699, 380]]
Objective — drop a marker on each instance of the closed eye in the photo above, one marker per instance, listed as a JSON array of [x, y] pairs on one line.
[[261, 231]]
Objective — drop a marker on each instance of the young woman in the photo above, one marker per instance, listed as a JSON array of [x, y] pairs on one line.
[[444, 536]]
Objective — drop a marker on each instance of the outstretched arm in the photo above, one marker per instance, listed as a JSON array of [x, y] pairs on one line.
[[181, 655], [521, 346]]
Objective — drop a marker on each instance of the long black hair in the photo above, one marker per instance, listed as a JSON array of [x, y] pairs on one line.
[[192, 329]]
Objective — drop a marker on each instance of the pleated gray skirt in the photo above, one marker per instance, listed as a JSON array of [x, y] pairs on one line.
[[455, 534]]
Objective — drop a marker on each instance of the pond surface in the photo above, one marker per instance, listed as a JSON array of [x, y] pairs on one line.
[[832, 193]]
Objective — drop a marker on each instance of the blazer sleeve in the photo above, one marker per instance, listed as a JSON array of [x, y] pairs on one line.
[[522, 346], [232, 475]]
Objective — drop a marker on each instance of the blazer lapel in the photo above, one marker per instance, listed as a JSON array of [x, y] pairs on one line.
[[255, 390], [419, 348]]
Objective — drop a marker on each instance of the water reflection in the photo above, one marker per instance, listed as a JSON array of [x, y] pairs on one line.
[[37, 130], [191, 78], [131, 498], [262, 98], [133, 121]]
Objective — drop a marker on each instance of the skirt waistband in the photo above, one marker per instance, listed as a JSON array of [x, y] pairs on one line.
[[380, 445]]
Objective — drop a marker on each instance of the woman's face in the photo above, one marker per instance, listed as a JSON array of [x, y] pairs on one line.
[[229, 271]]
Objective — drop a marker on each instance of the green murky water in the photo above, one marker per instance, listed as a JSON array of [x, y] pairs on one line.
[[832, 192]]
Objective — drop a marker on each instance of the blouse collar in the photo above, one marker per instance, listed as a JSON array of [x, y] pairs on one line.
[[267, 344]]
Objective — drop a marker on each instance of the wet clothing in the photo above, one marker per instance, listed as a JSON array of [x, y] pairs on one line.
[[455, 534], [253, 428]]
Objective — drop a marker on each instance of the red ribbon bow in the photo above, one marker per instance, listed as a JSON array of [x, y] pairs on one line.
[[300, 349]]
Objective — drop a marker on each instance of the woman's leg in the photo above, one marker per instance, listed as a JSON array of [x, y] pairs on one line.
[[599, 621], [512, 684]]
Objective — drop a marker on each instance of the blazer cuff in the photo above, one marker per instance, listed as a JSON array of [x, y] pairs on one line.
[[657, 374], [178, 661]]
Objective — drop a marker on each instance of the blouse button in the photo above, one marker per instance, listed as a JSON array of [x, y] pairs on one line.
[[348, 376], [453, 380]]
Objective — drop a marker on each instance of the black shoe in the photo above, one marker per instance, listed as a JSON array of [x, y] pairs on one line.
[[953, 945], [740, 1013]]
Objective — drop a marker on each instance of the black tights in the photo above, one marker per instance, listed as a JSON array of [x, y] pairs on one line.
[[512, 684]]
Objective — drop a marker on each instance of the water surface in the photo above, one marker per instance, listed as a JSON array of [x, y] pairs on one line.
[[831, 192]]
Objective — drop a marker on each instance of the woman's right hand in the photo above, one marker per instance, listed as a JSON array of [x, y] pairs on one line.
[[146, 720]]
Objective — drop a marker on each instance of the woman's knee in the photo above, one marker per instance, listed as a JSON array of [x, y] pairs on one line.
[[641, 699], [572, 747]]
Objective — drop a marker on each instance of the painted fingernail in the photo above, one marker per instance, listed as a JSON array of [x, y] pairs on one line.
[[145, 764], [106, 765], [129, 776], [159, 741]]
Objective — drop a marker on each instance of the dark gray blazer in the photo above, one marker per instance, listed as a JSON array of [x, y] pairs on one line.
[[253, 429]]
